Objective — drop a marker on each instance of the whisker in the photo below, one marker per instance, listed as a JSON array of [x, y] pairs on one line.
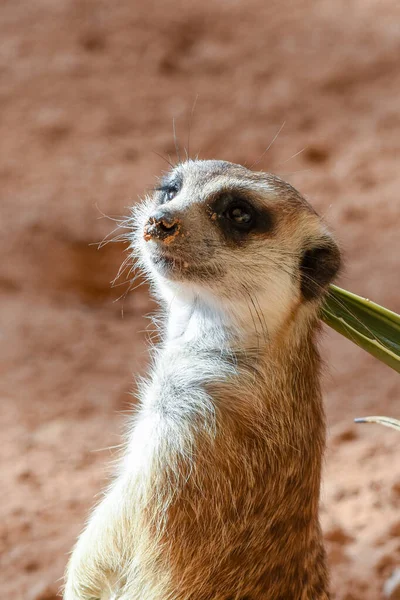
[[293, 156], [163, 157], [176, 141], [105, 216], [268, 147], [190, 125]]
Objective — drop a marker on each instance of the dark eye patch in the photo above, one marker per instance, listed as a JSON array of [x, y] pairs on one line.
[[238, 216]]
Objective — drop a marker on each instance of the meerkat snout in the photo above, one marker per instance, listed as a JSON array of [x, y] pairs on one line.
[[162, 226]]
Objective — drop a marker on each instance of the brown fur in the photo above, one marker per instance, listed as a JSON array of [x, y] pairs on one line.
[[244, 526]]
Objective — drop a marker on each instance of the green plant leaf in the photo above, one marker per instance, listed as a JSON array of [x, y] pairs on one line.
[[370, 326], [388, 421]]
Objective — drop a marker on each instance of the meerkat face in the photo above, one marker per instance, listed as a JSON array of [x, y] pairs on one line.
[[217, 230]]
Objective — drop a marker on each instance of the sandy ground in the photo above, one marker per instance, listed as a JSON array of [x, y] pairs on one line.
[[88, 90]]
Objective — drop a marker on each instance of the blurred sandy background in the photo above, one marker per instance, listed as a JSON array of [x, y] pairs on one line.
[[88, 90]]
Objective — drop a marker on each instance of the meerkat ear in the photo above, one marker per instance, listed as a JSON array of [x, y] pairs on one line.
[[318, 268]]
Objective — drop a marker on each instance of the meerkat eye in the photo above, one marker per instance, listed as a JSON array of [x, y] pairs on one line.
[[171, 192], [168, 192], [240, 214]]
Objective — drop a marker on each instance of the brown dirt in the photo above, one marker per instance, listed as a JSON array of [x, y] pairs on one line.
[[88, 90]]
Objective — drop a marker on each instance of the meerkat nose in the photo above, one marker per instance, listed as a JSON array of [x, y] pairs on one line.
[[162, 226]]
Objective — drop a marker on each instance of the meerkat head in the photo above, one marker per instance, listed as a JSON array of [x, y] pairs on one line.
[[219, 233]]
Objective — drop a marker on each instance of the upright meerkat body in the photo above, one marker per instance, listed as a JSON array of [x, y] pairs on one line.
[[217, 496]]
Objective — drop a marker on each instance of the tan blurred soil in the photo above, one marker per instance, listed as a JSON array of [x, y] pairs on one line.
[[88, 90]]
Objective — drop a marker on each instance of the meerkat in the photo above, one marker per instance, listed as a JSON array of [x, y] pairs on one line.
[[217, 495]]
